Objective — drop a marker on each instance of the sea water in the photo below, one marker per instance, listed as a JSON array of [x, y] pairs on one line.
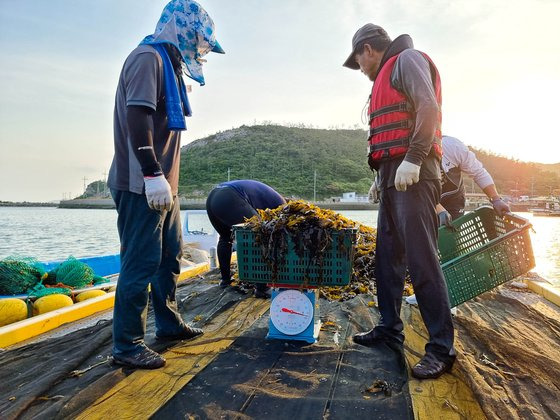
[[48, 233]]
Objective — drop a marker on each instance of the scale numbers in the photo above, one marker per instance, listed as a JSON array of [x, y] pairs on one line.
[[291, 312]]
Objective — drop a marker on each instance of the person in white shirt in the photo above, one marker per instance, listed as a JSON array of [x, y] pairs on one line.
[[457, 158]]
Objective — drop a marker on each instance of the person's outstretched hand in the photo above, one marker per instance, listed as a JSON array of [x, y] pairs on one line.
[[500, 207]]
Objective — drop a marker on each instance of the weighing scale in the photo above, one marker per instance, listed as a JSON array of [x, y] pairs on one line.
[[294, 315]]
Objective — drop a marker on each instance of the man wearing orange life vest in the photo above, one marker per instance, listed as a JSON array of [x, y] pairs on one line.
[[404, 147]]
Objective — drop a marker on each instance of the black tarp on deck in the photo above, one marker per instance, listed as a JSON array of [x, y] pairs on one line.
[[253, 378], [274, 379]]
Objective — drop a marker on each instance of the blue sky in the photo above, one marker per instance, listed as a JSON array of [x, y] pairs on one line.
[[499, 61]]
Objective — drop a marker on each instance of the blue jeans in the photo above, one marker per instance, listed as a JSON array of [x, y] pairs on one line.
[[407, 230], [151, 250]]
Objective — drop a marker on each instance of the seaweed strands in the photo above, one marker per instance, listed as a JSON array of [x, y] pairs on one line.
[[312, 230], [363, 279], [363, 269]]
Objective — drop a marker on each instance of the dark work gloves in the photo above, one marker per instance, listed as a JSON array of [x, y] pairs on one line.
[[500, 206], [445, 219]]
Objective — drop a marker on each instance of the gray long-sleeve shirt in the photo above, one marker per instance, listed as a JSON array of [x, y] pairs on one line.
[[412, 76]]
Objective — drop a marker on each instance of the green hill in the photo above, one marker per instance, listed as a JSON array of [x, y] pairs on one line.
[[521, 178], [287, 157], [283, 157]]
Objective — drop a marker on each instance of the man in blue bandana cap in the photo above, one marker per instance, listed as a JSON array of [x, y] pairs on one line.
[[150, 108]]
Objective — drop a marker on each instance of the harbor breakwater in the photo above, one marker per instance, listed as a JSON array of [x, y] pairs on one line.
[[200, 204]]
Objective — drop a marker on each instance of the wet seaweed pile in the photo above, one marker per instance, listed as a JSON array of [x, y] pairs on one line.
[[310, 229]]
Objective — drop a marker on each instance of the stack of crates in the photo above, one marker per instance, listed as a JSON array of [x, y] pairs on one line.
[[483, 251]]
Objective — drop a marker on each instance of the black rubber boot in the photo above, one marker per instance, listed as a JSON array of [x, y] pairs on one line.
[[144, 359], [187, 333], [224, 283], [431, 367], [262, 291]]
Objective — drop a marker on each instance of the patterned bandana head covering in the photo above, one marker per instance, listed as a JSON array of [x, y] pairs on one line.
[[186, 25]]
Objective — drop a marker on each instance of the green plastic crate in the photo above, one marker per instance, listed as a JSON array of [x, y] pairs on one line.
[[484, 252], [336, 269]]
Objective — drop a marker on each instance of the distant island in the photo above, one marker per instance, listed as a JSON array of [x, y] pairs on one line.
[[27, 204]]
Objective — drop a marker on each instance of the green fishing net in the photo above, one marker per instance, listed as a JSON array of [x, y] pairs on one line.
[[100, 280], [71, 273], [22, 275], [39, 291], [17, 275]]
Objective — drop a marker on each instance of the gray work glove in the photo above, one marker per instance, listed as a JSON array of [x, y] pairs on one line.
[[373, 195], [445, 219], [500, 206], [158, 192], [407, 174]]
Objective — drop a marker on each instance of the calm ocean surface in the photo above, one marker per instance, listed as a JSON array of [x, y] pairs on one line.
[[48, 233]]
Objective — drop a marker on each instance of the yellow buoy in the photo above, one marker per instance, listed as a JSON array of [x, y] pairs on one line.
[[12, 310], [89, 294], [50, 303]]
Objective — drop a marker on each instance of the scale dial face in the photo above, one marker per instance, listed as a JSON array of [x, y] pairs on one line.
[[291, 312]]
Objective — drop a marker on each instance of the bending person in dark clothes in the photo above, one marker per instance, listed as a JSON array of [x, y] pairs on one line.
[[229, 204]]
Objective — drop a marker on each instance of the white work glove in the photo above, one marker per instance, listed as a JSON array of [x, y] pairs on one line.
[[158, 192], [407, 174], [373, 195]]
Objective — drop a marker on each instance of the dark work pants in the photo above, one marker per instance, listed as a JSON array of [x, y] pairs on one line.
[[151, 250], [407, 237], [455, 209], [225, 208], [455, 214], [454, 203]]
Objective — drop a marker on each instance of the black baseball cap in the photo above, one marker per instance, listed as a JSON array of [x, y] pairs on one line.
[[368, 31]]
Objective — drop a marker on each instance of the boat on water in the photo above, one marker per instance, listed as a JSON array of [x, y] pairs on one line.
[[545, 212], [545, 207], [107, 266], [233, 371], [507, 342], [198, 232], [102, 265]]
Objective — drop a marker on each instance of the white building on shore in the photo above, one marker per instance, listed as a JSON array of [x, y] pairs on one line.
[[352, 197]]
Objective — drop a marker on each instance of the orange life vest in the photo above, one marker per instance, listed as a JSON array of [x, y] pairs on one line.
[[392, 118]]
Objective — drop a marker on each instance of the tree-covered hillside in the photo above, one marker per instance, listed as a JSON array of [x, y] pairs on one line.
[[515, 177], [287, 157], [283, 157]]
